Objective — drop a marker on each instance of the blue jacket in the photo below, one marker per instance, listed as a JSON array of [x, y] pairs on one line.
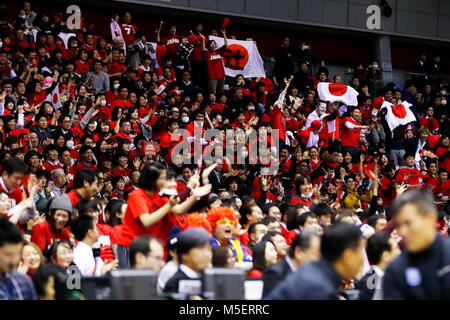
[[16, 286], [312, 281]]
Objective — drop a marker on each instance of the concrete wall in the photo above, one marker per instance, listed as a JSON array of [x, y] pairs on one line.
[[416, 18]]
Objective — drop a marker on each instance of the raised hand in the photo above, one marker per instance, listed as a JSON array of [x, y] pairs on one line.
[[202, 191], [399, 189], [194, 181], [2, 96], [137, 163]]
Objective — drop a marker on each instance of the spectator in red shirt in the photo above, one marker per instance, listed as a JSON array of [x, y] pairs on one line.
[[172, 42], [429, 121], [148, 212], [214, 62], [196, 59], [128, 29], [51, 158], [409, 173], [55, 228], [81, 64], [13, 173], [85, 186], [86, 159], [351, 128]]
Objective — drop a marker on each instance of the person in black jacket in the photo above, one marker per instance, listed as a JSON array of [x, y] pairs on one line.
[[13, 285], [194, 254], [422, 271], [304, 248], [381, 249], [342, 258]]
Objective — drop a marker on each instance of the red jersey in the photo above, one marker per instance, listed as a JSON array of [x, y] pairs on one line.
[[128, 31], [139, 203], [214, 63], [414, 176], [82, 67], [15, 196], [74, 197], [105, 241], [196, 40], [119, 172], [82, 165], [116, 67], [51, 166], [43, 236], [350, 137], [278, 122], [172, 44], [429, 122]]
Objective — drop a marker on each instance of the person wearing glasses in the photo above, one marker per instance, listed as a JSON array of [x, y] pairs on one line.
[[223, 220]]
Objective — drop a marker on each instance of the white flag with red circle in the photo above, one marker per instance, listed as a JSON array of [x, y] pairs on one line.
[[241, 57], [398, 115], [336, 92], [54, 98]]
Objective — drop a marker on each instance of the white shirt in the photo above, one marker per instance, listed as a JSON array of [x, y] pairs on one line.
[[83, 257], [189, 272], [314, 116]]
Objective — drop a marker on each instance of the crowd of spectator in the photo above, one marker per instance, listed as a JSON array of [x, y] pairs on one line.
[[79, 186]]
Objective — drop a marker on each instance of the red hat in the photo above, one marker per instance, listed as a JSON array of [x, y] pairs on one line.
[[316, 124]]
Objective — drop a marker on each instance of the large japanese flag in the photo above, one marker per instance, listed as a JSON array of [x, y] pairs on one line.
[[241, 57], [398, 115], [54, 98], [333, 92]]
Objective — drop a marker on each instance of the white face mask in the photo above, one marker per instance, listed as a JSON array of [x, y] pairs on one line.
[[444, 102], [185, 119], [443, 92], [245, 154], [375, 66], [116, 86], [70, 144], [103, 103]]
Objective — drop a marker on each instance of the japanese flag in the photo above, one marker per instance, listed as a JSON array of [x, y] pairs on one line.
[[398, 115], [333, 92], [54, 98], [241, 57]]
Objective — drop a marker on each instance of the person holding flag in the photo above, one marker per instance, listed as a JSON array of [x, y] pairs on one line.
[[214, 63]]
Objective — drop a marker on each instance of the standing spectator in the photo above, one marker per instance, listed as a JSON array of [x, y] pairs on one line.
[[214, 62], [198, 65], [284, 66]]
